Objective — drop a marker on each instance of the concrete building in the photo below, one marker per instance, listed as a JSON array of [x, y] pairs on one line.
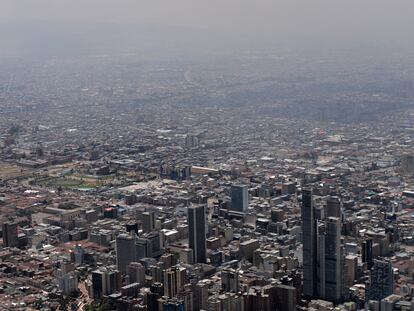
[[10, 234], [174, 281], [148, 221], [230, 280], [68, 283], [136, 273]]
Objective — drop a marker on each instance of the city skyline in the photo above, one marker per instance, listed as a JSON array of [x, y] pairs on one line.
[[206, 155]]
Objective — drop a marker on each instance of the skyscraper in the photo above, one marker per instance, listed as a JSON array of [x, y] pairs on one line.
[[10, 234], [125, 251], [285, 297], [197, 232], [148, 221], [155, 244], [333, 207], [68, 283], [309, 244], [320, 281], [136, 273], [201, 295], [351, 269], [322, 253], [105, 282], [366, 250], [174, 281], [239, 198], [333, 264], [230, 280], [382, 280], [157, 290], [170, 283]]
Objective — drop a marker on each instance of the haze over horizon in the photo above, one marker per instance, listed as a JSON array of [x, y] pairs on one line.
[[258, 24]]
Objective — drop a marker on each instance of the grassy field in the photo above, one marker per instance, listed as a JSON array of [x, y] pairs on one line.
[[71, 182], [65, 183]]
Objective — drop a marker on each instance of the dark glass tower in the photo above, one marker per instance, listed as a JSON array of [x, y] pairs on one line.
[[239, 198], [382, 280], [309, 244], [333, 276], [10, 234], [197, 232], [125, 254], [333, 207], [367, 252]]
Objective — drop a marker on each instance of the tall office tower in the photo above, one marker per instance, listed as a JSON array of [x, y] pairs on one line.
[[201, 295], [285, 297], [366, 249], [148, 221], [105, 282], [197, 232], [333, 207], [156, 292], [156, 244], [10, 234], [68, 283], [320, 282], [170, 283], [181, 273], [174, 280], [149, 245], [351, 269], [168, 259], [142, 248], [297, 283], [136, 273], [382, 280], [344, 287], [309, 241], [125, 251], [230, 280], [79, 254], [333, 260], [239, 198], [157, 272]]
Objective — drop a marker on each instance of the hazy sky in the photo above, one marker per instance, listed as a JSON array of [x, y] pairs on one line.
[[371, 19]]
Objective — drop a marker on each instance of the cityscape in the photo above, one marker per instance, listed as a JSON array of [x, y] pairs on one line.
[[261, 179]]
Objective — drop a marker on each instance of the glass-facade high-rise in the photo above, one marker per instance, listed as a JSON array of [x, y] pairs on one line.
[[197, 232], [239, 198]]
